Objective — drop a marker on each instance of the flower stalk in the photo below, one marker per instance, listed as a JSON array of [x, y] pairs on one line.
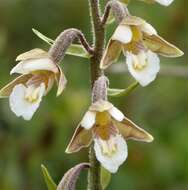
[[98, 41], [64, 40], [119, 11], [98, 30]]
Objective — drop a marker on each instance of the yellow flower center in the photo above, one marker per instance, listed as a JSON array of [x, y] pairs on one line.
[[102, 118], [136, 43], [32, 94], [137, 34], [140, 61], [139, 66], [109, 147], [103, 125]]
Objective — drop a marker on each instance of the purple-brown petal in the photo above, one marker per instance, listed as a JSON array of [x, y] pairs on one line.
[[130, 130], [111, 54], [158, 45], [81, 138], [6, 91]]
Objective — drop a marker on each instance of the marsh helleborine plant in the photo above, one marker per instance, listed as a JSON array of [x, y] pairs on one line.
[[104, 128]]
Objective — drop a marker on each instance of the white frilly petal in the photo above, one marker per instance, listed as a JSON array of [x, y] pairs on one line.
[[20, 106], [149, 72], [123, 34], [116, 114], [28, 66], [164, 2], [88, 120], [112, 162]]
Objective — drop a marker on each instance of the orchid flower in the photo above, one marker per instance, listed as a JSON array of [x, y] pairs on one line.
[[140, 43], [38, 73], [109, 129]]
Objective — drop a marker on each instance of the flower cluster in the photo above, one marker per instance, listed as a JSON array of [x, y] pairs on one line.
[[103, 124]]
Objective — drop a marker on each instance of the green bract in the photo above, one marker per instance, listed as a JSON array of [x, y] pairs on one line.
[[49, 181]]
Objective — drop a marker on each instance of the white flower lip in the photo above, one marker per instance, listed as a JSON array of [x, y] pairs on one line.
[[20, 106], [123, 34], [146, 75], [28, 66], [164, 2], [111, 163]]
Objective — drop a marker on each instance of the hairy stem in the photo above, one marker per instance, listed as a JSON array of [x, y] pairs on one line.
[[64, 40], [98, 41]]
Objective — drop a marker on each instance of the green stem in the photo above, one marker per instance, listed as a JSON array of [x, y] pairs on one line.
[[98, 39], [122, 92], [94, 182]]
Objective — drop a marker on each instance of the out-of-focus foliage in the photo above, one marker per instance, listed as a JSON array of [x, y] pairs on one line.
[[161, 108]]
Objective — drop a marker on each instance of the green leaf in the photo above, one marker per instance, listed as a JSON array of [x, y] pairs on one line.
[[105, 178], [43, 37], [49, 181], [74, 49], [77, 50], [122, 92]]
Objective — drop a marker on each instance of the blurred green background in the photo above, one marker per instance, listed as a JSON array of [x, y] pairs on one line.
[[161, 108]]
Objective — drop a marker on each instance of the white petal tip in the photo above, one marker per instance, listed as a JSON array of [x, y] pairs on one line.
[[116, 114], [67, 151], [88, 120], [180, 53], [165, 2], [123, 34], [13, 71], [150, 138]]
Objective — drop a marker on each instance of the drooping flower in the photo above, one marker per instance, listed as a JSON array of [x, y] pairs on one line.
[[109, 129], [38, 74], [140, 43]]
